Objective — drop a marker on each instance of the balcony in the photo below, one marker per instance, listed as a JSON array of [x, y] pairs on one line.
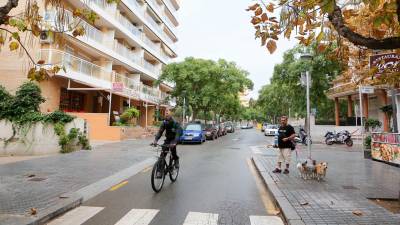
[[122, 50], [128, 25], [96, 76], [150, 94], [77, 68], [151, 44], [150, 67], [154, 24]]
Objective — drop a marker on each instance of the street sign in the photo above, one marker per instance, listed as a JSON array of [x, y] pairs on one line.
[[117, 87], [367, 90]]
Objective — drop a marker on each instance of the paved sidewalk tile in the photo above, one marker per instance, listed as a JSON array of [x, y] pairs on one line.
[[60, 174], [350, 181]]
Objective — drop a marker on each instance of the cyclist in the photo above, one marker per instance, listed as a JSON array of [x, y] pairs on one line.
[[172, 134]]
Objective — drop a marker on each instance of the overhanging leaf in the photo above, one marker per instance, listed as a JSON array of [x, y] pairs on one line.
[[271, 46]]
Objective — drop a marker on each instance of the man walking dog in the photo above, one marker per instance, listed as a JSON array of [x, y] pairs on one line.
[[286, 135]]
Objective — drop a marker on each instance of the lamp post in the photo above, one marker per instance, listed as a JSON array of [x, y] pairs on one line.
[[308, 56]]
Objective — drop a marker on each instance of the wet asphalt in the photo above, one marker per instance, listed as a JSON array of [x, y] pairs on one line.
[[214, 178]]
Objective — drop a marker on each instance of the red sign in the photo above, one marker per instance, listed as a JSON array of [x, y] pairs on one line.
[[117, 87], [388, 63]]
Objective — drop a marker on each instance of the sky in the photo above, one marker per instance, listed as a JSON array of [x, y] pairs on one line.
[[214, 29]]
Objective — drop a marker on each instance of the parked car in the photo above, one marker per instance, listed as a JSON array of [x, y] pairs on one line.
[[230, 127], [271, 130], [222, 128], [193, 133], [211, 131], [247, 126], [264, 126]]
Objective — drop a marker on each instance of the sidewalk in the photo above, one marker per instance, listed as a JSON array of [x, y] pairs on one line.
[[56, 183], [350, 181]]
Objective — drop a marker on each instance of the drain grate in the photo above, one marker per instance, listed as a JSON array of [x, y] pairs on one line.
[[237, 148], [349, 187], [37, 179]]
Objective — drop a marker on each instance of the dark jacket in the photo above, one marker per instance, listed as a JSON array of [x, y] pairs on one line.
[[172, 130]]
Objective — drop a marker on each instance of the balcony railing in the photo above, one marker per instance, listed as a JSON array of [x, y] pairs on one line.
[[151, 67], [125, 52], [136, 5], [154, 24], [127, 24], [151, 44], [75, 64]]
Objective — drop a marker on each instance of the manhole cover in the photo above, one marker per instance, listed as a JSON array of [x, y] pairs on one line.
[[37, 179], [349, 187]]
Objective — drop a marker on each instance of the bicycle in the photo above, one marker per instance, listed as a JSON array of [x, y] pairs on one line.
[[162, 167]]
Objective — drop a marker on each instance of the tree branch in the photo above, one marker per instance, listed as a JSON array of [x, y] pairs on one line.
[[22, 46], [337, 20], [4, 10], [398, 10]]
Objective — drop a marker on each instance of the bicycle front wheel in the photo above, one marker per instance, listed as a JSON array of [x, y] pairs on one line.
[[158, 176], [173, 172]]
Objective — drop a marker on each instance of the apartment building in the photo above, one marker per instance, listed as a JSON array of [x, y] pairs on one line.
[[120, 55]]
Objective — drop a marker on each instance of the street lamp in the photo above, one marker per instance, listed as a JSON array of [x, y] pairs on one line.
[[308, 56]]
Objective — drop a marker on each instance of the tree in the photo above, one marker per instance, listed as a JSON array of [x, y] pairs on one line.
[[209, 87], [285, 90], [373, 24], [29, 22]]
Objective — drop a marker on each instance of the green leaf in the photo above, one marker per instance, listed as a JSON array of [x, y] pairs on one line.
[[320, 36], [328, 6], [15, 35]]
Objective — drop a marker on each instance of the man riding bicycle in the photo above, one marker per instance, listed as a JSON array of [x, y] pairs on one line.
[[172, 134]]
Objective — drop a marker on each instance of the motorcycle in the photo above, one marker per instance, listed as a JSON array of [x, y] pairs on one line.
[[302, 137], [342, 137]]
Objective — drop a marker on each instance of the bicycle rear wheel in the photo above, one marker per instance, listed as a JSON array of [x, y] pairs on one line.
[[173, 172], [158, 175]]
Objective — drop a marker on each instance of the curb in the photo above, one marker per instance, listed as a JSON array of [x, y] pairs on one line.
[[288, 212], [74, 199]]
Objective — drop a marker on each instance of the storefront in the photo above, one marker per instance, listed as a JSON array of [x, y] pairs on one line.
[[385, 147]]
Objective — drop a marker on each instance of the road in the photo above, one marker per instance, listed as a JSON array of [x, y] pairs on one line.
[[216, 185]]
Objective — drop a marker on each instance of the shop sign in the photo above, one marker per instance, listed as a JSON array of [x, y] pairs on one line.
[[117, 86], [367, 90], [389, 63]]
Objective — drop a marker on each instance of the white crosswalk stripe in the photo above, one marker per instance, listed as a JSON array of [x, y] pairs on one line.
[[266, 220], [76, 216], [81, 214], [138, 217], [198, 218]]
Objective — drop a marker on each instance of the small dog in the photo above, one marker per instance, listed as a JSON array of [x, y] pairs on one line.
[[314, 171]]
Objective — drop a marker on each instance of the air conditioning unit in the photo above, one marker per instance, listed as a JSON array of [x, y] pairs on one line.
[[46, 37]]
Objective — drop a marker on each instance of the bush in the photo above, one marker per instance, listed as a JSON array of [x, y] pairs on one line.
[[58, 117], [372, 123], [367, 142], [129, 114]]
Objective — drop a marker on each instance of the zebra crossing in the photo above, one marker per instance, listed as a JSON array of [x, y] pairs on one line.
[[81, 214]]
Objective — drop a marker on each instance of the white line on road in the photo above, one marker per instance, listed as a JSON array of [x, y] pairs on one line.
[[266, 220], [77, 216], [138, 217], [197, 218]]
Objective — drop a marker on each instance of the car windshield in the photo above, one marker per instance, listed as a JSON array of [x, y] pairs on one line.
[[195, 127], [272, 127]]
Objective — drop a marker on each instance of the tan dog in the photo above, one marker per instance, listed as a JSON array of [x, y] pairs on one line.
[[320, 170]]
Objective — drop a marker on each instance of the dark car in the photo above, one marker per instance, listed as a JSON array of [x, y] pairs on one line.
[[230, 128], [193, 133], [211, 131]]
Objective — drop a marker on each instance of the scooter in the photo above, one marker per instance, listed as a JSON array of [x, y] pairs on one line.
[[343, 137], [302, 137]]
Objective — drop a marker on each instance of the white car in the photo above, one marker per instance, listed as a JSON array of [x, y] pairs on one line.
[[271, 130]]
